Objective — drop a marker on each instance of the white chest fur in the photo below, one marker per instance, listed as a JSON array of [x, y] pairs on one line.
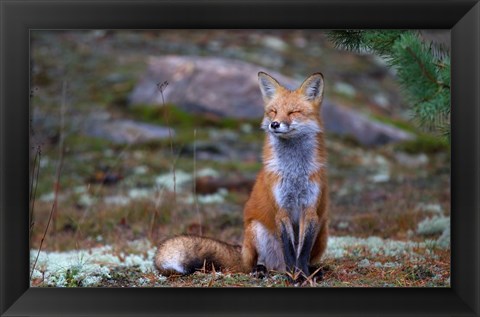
[[294, 160]]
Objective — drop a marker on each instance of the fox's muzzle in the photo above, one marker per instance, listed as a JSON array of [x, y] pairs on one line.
[[279, 127]]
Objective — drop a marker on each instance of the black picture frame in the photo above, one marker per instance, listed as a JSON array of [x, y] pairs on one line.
[[18, 17]]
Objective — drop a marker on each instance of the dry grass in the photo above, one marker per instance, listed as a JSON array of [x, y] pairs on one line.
[[337, 273]]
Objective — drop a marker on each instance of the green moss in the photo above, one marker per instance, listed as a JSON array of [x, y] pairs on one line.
[[425, 143], [229, 123], [166, 115], [171, 115], [400, 124], [79, 143]]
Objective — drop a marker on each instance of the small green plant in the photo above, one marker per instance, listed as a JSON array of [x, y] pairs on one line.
[[70, 277]]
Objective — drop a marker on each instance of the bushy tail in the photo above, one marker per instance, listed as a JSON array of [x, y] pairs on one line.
[[187, 254]]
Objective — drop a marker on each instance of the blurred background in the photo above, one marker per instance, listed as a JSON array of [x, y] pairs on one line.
[[141, 135]]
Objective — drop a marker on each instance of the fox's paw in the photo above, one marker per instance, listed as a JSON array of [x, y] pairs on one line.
[[260, 271], [295, 275]]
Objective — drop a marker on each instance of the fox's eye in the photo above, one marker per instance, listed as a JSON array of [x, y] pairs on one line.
[[293, 112], [273, 111]]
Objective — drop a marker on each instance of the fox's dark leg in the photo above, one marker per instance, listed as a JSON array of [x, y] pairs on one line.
[[309, 228], [289, 253], [318, 249], [320, 244], [287, 237]]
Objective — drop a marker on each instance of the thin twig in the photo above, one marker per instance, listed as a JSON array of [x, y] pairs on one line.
[[159, 194], [311, 278], [61, 145], [161, 88], [213, 276], [33, 193], [195, 198], [33, 173], [57, 178]]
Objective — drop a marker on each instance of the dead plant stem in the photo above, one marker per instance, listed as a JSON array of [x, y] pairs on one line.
[[57, 176], [34, 185], [195, 198]]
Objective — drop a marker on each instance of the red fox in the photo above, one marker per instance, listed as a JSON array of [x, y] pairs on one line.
[[286, 216]]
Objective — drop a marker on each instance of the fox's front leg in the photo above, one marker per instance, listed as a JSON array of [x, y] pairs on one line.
[[309, 228], [287, 235]]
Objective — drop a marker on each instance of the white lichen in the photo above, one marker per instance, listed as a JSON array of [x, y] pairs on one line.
[[339, 247], [87, 267], [140, 170], [86, 200], [386, 264], [80, 189], [343, 225], [91, 280], [116, 200], [433, 225], [48, 197], [381, 177], [204, 172], [172, 180], [444, 240], [216, 198], [364, 263], [432, 208], [139, 193]]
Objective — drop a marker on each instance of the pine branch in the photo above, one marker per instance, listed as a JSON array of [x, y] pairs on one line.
[[350, 40], [423, 69]]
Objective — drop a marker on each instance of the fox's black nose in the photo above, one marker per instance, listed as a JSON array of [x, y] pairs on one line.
[[275, 125]]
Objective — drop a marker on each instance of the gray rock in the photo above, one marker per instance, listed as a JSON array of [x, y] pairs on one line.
[[123, 131], [345, 121], [229, 88]]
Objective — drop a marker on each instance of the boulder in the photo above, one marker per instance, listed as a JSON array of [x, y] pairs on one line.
[[123, 131], [205, 85], [229, 88], [344, 121]]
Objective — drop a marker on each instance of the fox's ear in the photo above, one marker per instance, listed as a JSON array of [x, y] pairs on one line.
[[312, 88], [268, 86]]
